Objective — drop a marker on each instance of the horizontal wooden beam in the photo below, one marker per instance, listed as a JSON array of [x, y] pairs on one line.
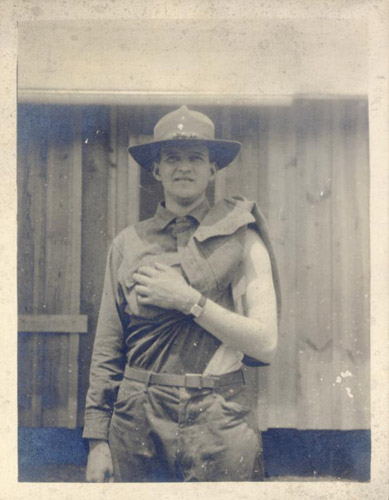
[[53, 323], [128, 98]]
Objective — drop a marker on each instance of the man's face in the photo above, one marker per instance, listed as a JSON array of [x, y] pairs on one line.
[[185, 172]]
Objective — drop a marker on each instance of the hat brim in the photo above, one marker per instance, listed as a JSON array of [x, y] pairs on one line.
[[221, 152]]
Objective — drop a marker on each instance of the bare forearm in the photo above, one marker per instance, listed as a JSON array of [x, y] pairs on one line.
[[254, 336], [249, 335]]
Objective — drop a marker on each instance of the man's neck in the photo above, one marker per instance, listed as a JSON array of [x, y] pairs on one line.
[[182, 209]]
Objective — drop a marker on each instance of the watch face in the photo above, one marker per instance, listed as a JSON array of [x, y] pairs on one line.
[[196, 310]]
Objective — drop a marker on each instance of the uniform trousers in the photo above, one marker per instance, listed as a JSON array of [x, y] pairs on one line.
[[164, 433]]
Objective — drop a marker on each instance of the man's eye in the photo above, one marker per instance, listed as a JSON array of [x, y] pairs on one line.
[[172, 159], [196, 158]]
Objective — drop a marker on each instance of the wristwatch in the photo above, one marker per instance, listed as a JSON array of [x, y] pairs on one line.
[[198, 308]]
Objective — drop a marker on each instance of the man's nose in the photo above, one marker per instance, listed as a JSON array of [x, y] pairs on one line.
[[184, 165]]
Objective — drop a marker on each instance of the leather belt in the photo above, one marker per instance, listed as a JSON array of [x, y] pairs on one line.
[[189, 380]]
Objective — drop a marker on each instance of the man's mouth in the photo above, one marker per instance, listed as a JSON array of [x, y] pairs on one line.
[[183, 179]]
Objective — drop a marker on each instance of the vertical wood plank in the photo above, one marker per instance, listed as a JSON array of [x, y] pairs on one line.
[[220, 190], [361, 341], [340, 229], [281, 208], [134, 174], [263, 156], [122, 175], [38, 193], [25, 265], [56, 349], [232, 182], [112, 173], [61, 265], [74, 277], [252, 168], [313, 266], [99, 212], [220, 185], [351, 270]]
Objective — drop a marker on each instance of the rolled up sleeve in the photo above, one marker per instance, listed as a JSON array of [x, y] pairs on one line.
[[108, 359]]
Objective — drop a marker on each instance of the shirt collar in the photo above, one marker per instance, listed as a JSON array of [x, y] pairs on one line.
[[163, 216]]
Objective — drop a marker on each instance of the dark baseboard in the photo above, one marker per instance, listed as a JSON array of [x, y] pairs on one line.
[[308, 454], [343, 455]]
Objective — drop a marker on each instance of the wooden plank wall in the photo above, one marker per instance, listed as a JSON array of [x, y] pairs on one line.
[[306, 165], [308, 168], [49, 177]]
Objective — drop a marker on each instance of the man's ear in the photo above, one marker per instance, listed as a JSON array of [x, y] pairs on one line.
[[156, 171], [213, 170]]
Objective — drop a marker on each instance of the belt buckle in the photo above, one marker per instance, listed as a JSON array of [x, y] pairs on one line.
[[196, 381], [193, 380]]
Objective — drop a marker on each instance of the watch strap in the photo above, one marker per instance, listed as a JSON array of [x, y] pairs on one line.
[[198, 308]]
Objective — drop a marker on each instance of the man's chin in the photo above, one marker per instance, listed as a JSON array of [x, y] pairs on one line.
[[187, 199]]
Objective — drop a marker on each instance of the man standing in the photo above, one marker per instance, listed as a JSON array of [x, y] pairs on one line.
[[189, 295]]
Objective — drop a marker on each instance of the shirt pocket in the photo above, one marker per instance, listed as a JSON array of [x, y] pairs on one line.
[[225, 254]]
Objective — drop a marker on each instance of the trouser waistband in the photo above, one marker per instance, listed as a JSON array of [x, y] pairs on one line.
[[189, 380]]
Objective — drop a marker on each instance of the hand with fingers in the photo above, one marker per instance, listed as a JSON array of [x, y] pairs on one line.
[[99, 468], [164, 287]]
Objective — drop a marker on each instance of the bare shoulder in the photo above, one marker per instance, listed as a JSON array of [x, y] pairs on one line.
[[253, 237], [255, 250]]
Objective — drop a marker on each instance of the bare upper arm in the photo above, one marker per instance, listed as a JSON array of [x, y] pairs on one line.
[[260, 297]]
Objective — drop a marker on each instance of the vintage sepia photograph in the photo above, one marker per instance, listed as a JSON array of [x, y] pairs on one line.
[[193, 250]]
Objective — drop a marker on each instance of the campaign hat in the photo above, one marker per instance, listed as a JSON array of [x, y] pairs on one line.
[[181, 125]]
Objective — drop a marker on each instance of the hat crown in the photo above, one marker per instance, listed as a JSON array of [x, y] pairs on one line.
[[183, 123]]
